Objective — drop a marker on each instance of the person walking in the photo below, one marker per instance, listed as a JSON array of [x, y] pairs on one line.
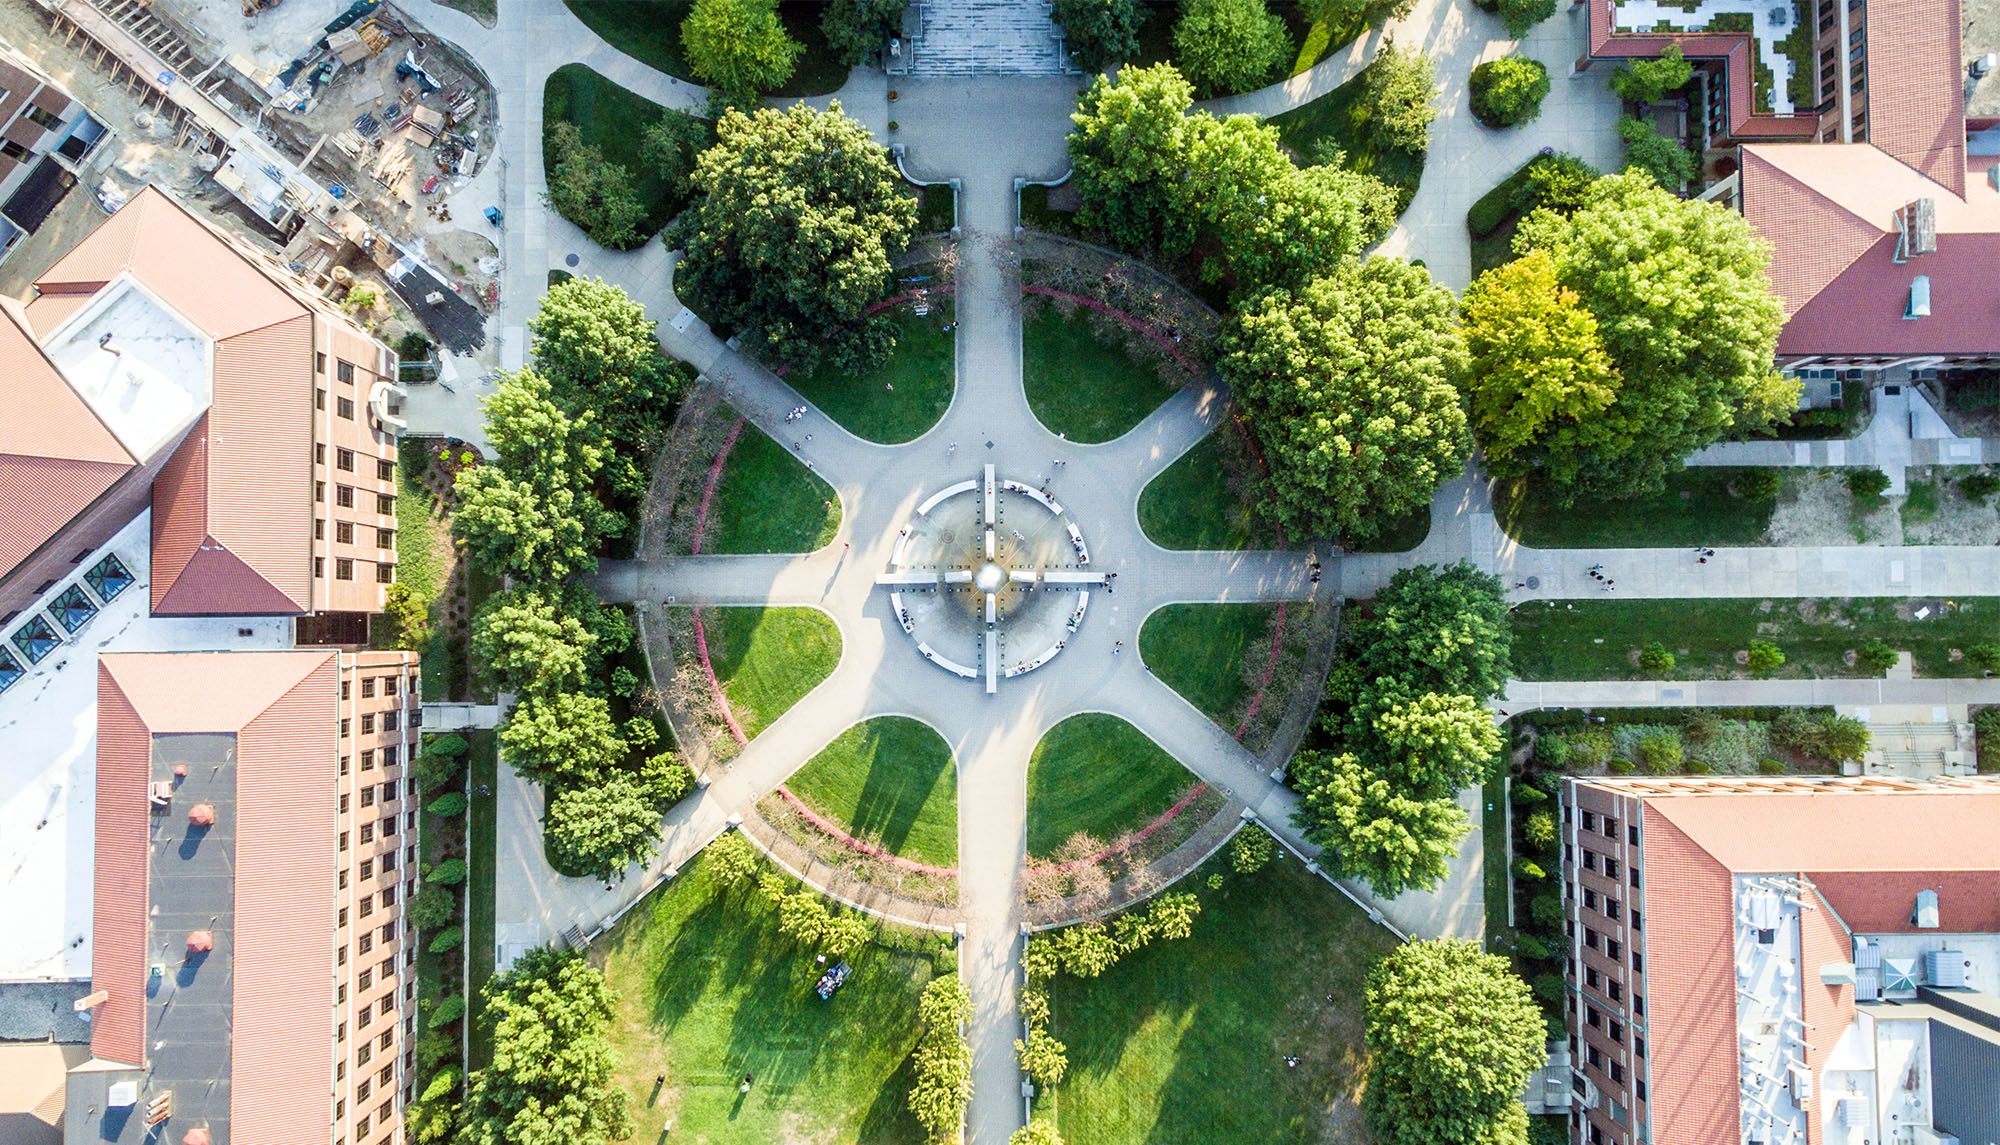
[[953, 451]]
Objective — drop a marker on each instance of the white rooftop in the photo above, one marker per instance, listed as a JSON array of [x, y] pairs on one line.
[[146, 371], [1770, 1010], [48, 771]]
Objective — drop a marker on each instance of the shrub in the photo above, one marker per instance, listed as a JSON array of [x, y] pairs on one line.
[[1520, 16], [450, 1010], [1867, 484], [451, 744], [1215, 881], [447, 940], [1228, 46], [1549, 988], [1099, 33], [1551, 752], [1559, 181], [640, 732], [1043, 1057], [1978, 486], [433, 1048], [1540, 831], [431, 908], [1659, 752], [1764, 657], [450, 805], [1666, 160], [624, 682], [802, 917], [1758, 484], [1985, 657], [360, 297], [1656, 659], [1396, 100], [1772, 767], [1986, 726], [1526, 868], [1699, 767], [856, 30], [1509, 91], [1527, 794], [436, 772], [1621, 766], [1528, 946], [1251, 850], [1648, 81], [596, 195], [734, 857], [449, 873], [1876, 656], [1040, 1131], [409, 615], [1546, 909], [942, 1060]]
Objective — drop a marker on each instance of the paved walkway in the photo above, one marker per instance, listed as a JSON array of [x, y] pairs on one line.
[[1523, 696], [1904, 431]]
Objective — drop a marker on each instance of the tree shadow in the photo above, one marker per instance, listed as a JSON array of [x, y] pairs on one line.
[[904, 769]]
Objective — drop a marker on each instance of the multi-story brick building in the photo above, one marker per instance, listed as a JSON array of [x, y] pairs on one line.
[[254, 853], [46, 138], [1776, 960]]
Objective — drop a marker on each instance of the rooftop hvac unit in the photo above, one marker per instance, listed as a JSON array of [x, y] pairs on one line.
[[1899, 974], [1802, 1086], [1853, 1111], [1945, 968], [1867, 953], [1925, 1135], [1868, 986]]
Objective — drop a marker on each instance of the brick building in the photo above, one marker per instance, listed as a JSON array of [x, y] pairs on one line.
[[255, 849], [1808, 960]]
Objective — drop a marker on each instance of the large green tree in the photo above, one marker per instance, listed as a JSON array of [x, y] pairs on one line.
[[738, 47], [1684, 308], [857, 29], [1436, 629], [1434, 745], [1100, 33], [797, 215], [1395, 106], [1229, 46], [1127, 154], [533, 514], [583, 187], [1537, 360], [1454, 1034], [1664, 158], [1351, 384], [598, 350], [527, 643], [1369, 829], [562, 737], [553, 1075], [599, 829], [1649, 81], [943, 1062]]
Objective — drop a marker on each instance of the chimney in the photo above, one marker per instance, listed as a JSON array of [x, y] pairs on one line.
[[1916, 229]]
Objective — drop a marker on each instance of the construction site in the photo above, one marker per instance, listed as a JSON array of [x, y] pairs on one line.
[[356, 146]]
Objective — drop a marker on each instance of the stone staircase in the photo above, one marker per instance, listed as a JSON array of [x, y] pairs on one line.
[[983, 37]]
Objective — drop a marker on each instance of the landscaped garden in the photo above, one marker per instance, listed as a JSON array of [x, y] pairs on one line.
[[436, 593], [1086, 376], [890, 782], [768, 501], [1710, 639], [1303, 42], [902, 398], [1203, 500], [650, 31], [1186, 1040], [714, 975], [1702, 505], [1347, 118], [767, 659], [615, 121], [1095, 775]]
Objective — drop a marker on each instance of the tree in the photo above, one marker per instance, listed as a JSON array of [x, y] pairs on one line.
[[1044, 1059], [1686, 316], [665, 779], [533, 514], [1876, 656], [1351, 384], [1433, 746], [1454, 1034], [1509, 91], [449, 873], [1369, 830], [738, 47], [1764, 657], [734, 857], [1655, 659], [553, 1072], [430, 908], [943, 1062], [1536, 360], [1126, 151], [1228, 46], [857, 29], [1252, 850], [844, 933], [802, 917], [1100, 33], [528, 646], [1040, 1131], [1522, 15], [1867, 484], [1271, 223], [789, 238], [671, 144], [599, 828], [1666, 160], [1648, 81], [1087, 950], [584, 188], [561, 737], [1437, 630], [1395, 106]]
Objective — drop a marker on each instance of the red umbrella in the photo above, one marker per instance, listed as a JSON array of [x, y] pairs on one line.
[[200, 942], [202, 815]]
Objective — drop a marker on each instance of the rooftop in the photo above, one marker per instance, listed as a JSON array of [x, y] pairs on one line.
[[145, 371]]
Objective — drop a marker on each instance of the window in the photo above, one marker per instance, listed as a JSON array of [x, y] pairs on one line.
[[319, 491], [1589, 935], [368, 869], [366, 944], [1638, 1045], [48, 119], [344, 371], [388, 932], [319, 363], [388, 968], [385, 504], [1591, 1015], [319, 453], [1635, 876], [390, 755], [1610, 827], [1613, 949], [343, 727], [319, 529], [1617, 1032], [1636, 921], [340, 956], [1610, 868], [388, 897], [13, 150], [385, 470], [1632, 834], [1589, 859], [1611, 909], [343, 459], [390, 722], [368, 760], [389, 862], [368, 723], [364, 980], [1590, 976], [1617, 990], [368, 832], [341, 916], [319, 566], [385, 538], [1590, 820], [343, 496], [1617, 1072], [343, 532], [362, 1055], [344, 407], [367, 907], [342, 881], [343, 840], [389, 685], [362, 1090], [1638, 963], [1595, 1056], [388, 1073], [343, 764], [389, 827], [1589, 896], [343, 802], [367, 687], [388, 1036], [319, 399], [1638, 1000], [343, 568], [385, 574], [367, 798], [1641, 1091]]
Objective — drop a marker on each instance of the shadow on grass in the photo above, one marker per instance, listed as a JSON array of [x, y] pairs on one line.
[[894, 793]]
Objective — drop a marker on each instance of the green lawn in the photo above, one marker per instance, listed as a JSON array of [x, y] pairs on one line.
[[937, 208], [889, 779], [650, 31], [1493, 834], [1079, 384], [1558, 640], [483, 760], [769, 502], [1202, 500], [615, 121], [922, 371], [709, 991], [486, 12], [1696, 508], [768, 658], [1333, 117], [1184, 1041], [423, 544], [1200, 651], [1097, 774]]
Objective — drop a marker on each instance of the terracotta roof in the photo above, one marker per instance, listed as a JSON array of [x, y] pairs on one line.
[[232, 512], [1880, 902], [281, 708], [1690, 958], [1841, 829], [56, 456], [1916, 94], [1822, 940]]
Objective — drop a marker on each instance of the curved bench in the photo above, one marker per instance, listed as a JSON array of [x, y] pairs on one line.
[[931, 502]]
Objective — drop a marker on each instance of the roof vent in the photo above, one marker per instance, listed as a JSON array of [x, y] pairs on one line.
[[1926, 914], [1916, 229], [1920, 298]]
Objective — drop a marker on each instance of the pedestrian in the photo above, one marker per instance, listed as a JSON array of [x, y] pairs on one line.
[[1701, 560], [847, 544], [809, 437], [809, 464], [953, 451], [745, 1087]]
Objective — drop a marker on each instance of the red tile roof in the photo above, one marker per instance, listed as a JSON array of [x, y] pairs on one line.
[[1690, 959], [1916, 93], [1839, 828], [1880, 902], [56, 456], [282, 708], [235, 517]]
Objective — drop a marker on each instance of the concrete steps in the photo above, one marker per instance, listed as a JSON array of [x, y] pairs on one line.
[[986, 37]]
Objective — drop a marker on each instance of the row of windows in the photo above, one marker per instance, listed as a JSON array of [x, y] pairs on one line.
[[391, 755], [343, 460], [343, 533], [368, 865], [368, 795], [366, 942], [391, 685], [343, 496], [343, 369], [1607, 826], [390, 721], [388, 825]]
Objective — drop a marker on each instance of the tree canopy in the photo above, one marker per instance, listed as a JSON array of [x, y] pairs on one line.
[[857, 29], [1687, 320], [1648, 81], [590, 191], [1395, 107], [564, 736], [1437, 630], [529, 644], [552, 1077], [738, 47], [1454, 1034], [1436, 744], [1228, 46], [533, 513], [602, 827], [1666, 159], [1537, 360], [1509, 91], [1100, 33], [1351, 384], [796, 216], [1368, 829]]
